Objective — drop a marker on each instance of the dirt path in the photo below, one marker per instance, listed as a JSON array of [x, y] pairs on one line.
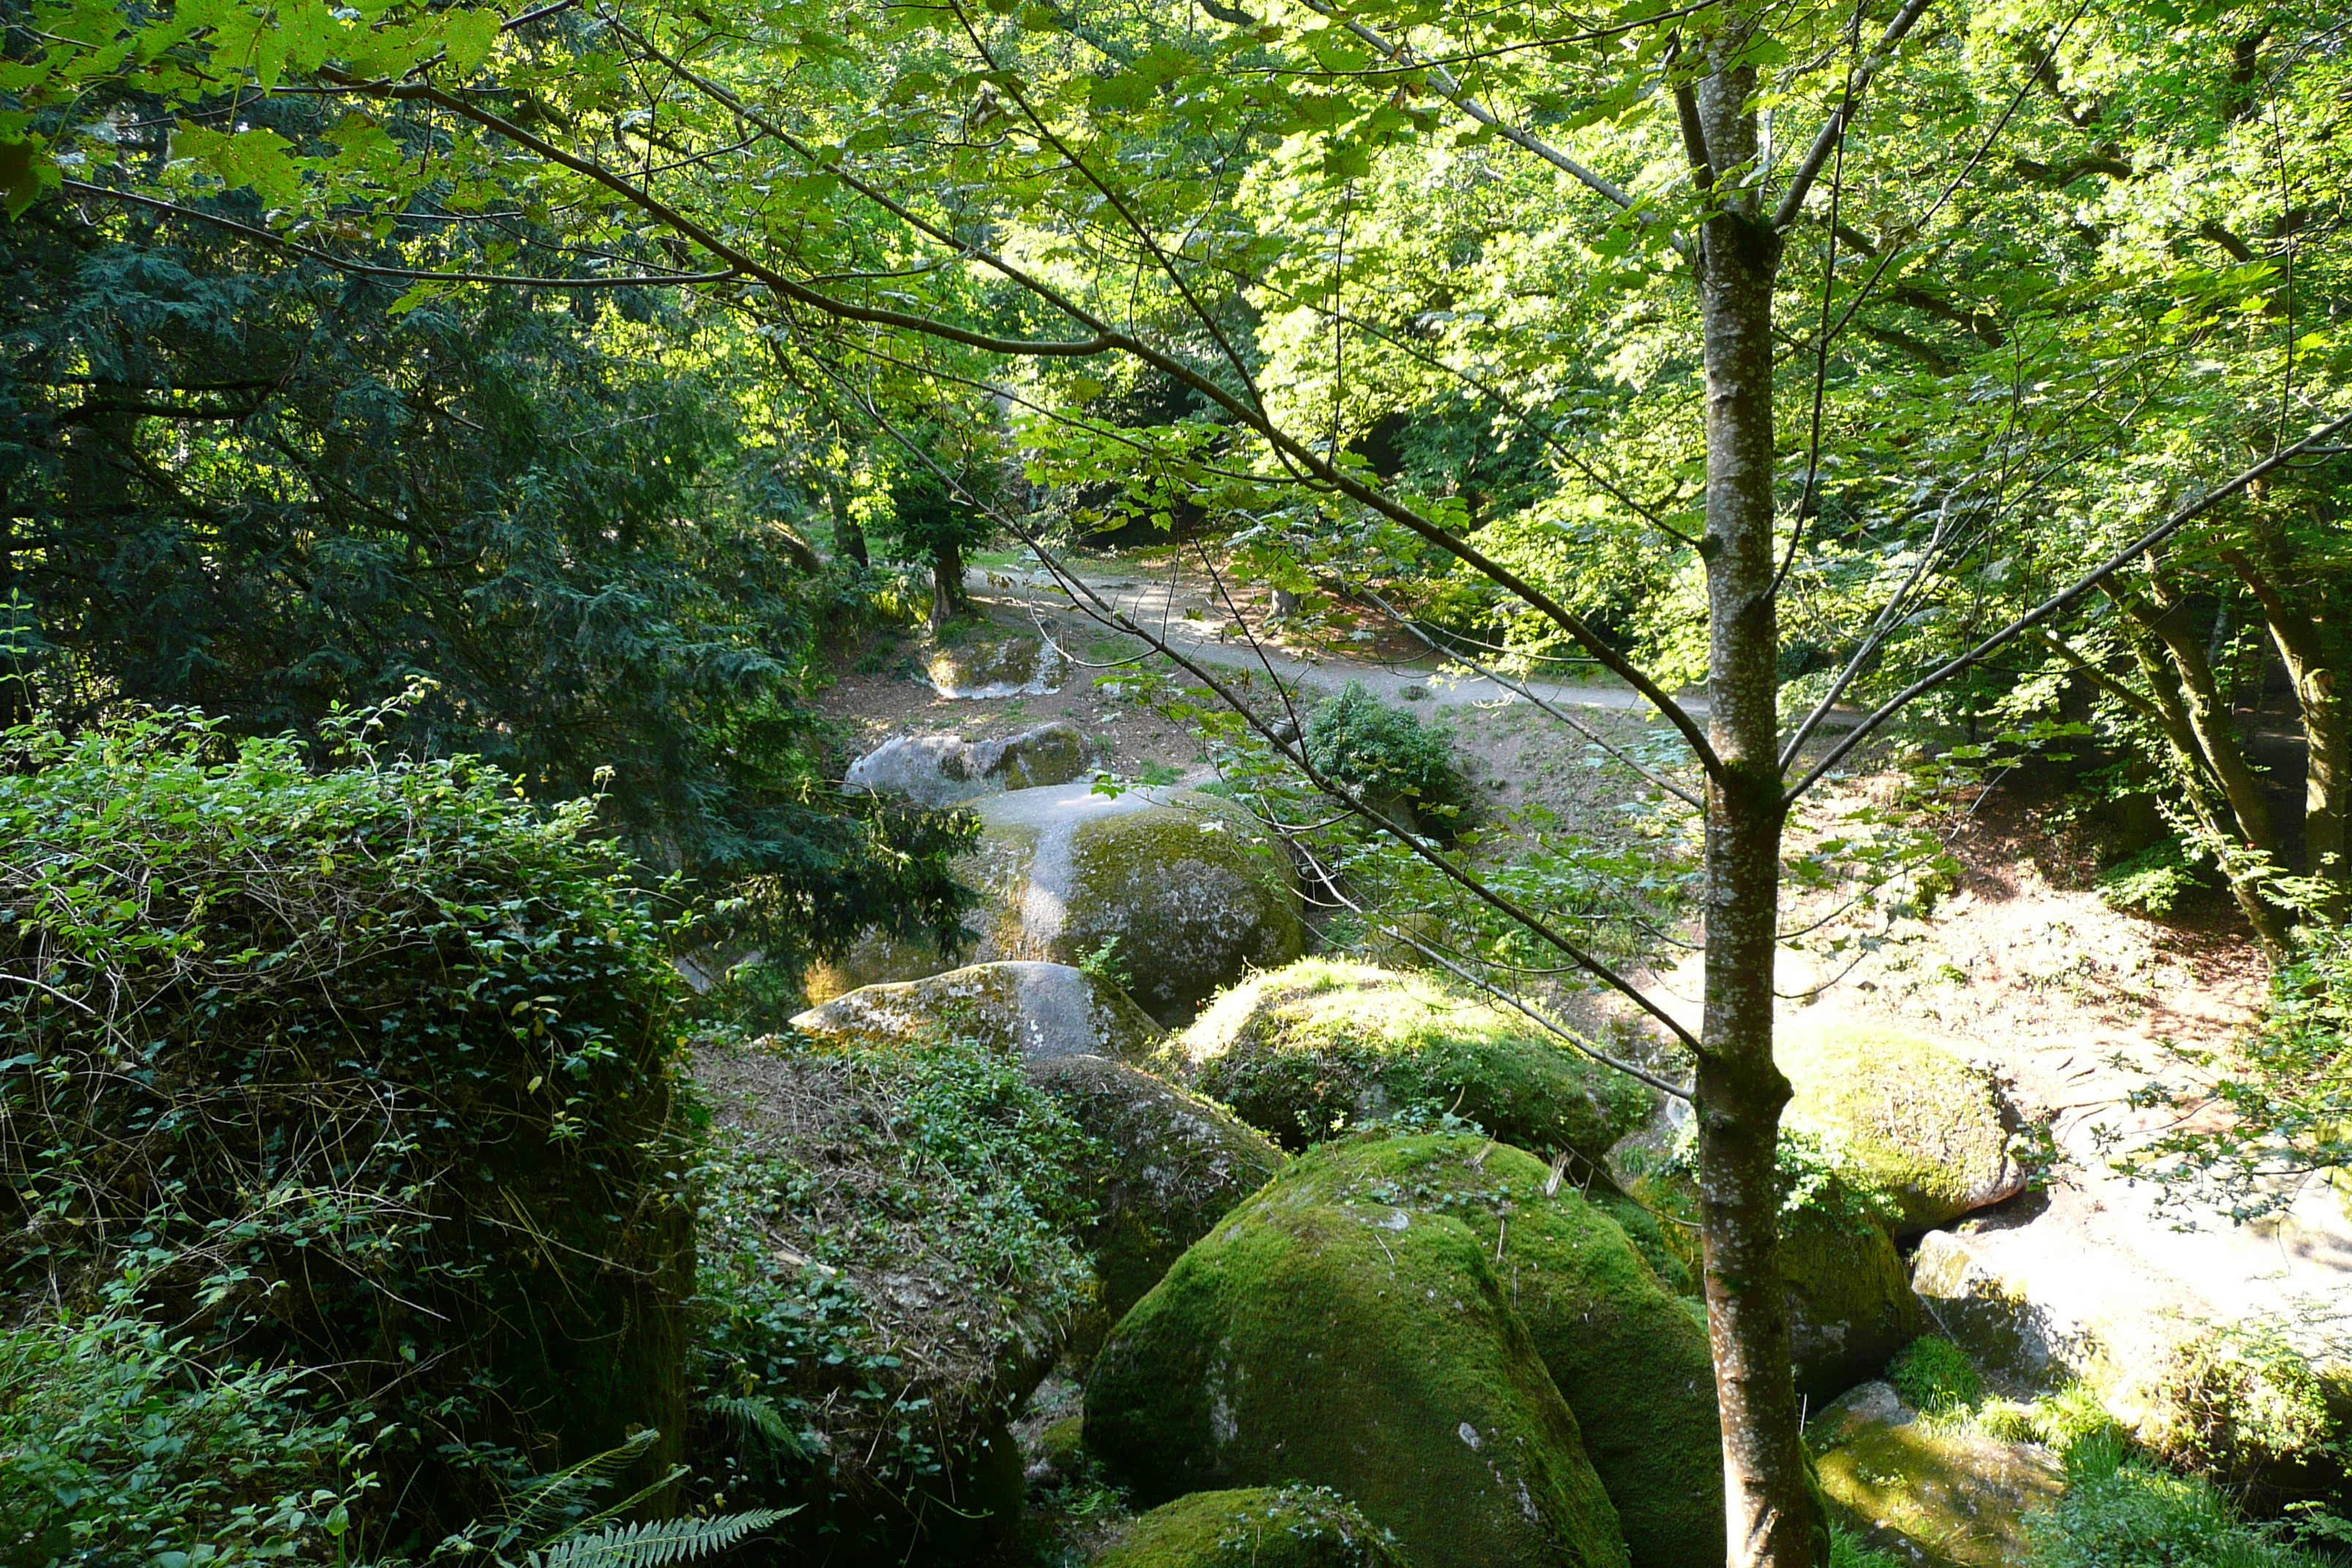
[[1187, 613]]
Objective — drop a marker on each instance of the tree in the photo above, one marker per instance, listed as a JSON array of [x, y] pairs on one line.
[[1042, 187], [256, 488]]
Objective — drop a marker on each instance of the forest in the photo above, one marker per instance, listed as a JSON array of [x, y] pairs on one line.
[[1175, 783]]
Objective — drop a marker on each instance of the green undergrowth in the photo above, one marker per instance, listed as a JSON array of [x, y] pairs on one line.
[[889, 1260], [2120, 1509], [354, 1079], [1935, 1377], [118, 1442]]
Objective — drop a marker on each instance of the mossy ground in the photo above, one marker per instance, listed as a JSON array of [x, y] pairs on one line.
[[1320, 1048], [1258, 1527], [1359, 1345]]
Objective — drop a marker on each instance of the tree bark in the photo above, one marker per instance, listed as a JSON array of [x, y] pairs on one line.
[[2209, 716], [947, 582], [1768, 1495], [849, 539], [2327, 766], [2198, 783]]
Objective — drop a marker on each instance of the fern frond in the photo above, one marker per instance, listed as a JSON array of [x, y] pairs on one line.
[[540, 1504], [761, 1419], [656, 1544]]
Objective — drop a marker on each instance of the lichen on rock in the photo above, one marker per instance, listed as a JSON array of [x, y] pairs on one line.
[[1032, 1009], [998, 666], [1851, 1305], [1177, 1164], [1931, 1129], [1322, 1047], [1180, 893], [1256, 1527], [886, 1229], [1340, 1340]]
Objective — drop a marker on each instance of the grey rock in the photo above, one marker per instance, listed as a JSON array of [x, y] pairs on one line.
[[941, 771], [1039, 1010], [1009, 666]]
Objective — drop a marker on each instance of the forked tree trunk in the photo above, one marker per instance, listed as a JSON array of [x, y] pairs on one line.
[[1768, 1500]]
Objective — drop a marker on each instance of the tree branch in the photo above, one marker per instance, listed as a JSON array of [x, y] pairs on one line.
[[1800, 184], [2060, 602]]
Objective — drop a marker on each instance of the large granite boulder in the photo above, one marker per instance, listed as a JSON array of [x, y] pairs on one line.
[[1179, 893], [1316, 1050], [1256, 1527], [1630, 1359], [1178, 1165], [1324, 1334], [941, 771], [1032, 1009], [1849, 1301], [885, 1228], [997, 667], [1912, 1119]]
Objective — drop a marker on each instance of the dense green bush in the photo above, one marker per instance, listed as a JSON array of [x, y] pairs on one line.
[[121, 1446], [361, 1077], [1388, 758]]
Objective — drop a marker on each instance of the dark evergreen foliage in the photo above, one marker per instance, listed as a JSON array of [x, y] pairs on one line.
[[262, 489]]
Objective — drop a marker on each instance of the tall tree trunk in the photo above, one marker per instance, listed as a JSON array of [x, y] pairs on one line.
[[849, 539], [2208, 715], [2328, 740], [947, 582], [1767, 1497], [16, 633], [2198, 783]]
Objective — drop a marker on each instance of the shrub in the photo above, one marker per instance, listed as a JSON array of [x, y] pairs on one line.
[[1387, 757], [1934, 1375], [2241, 1407], [2119, 1512], [122, 1446], [366, 1070]]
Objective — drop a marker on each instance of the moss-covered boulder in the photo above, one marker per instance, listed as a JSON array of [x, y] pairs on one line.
[[1316, 1049], [1033, 1010], [886, 1227], [1934, 1493], [1851, 1305], [1631, 1360], [876, 960], [1849, 1301], [1913, 1119], [1256, 1527], [1177, 1164], [1346, 1340], [997, 666], [1180, 893]]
